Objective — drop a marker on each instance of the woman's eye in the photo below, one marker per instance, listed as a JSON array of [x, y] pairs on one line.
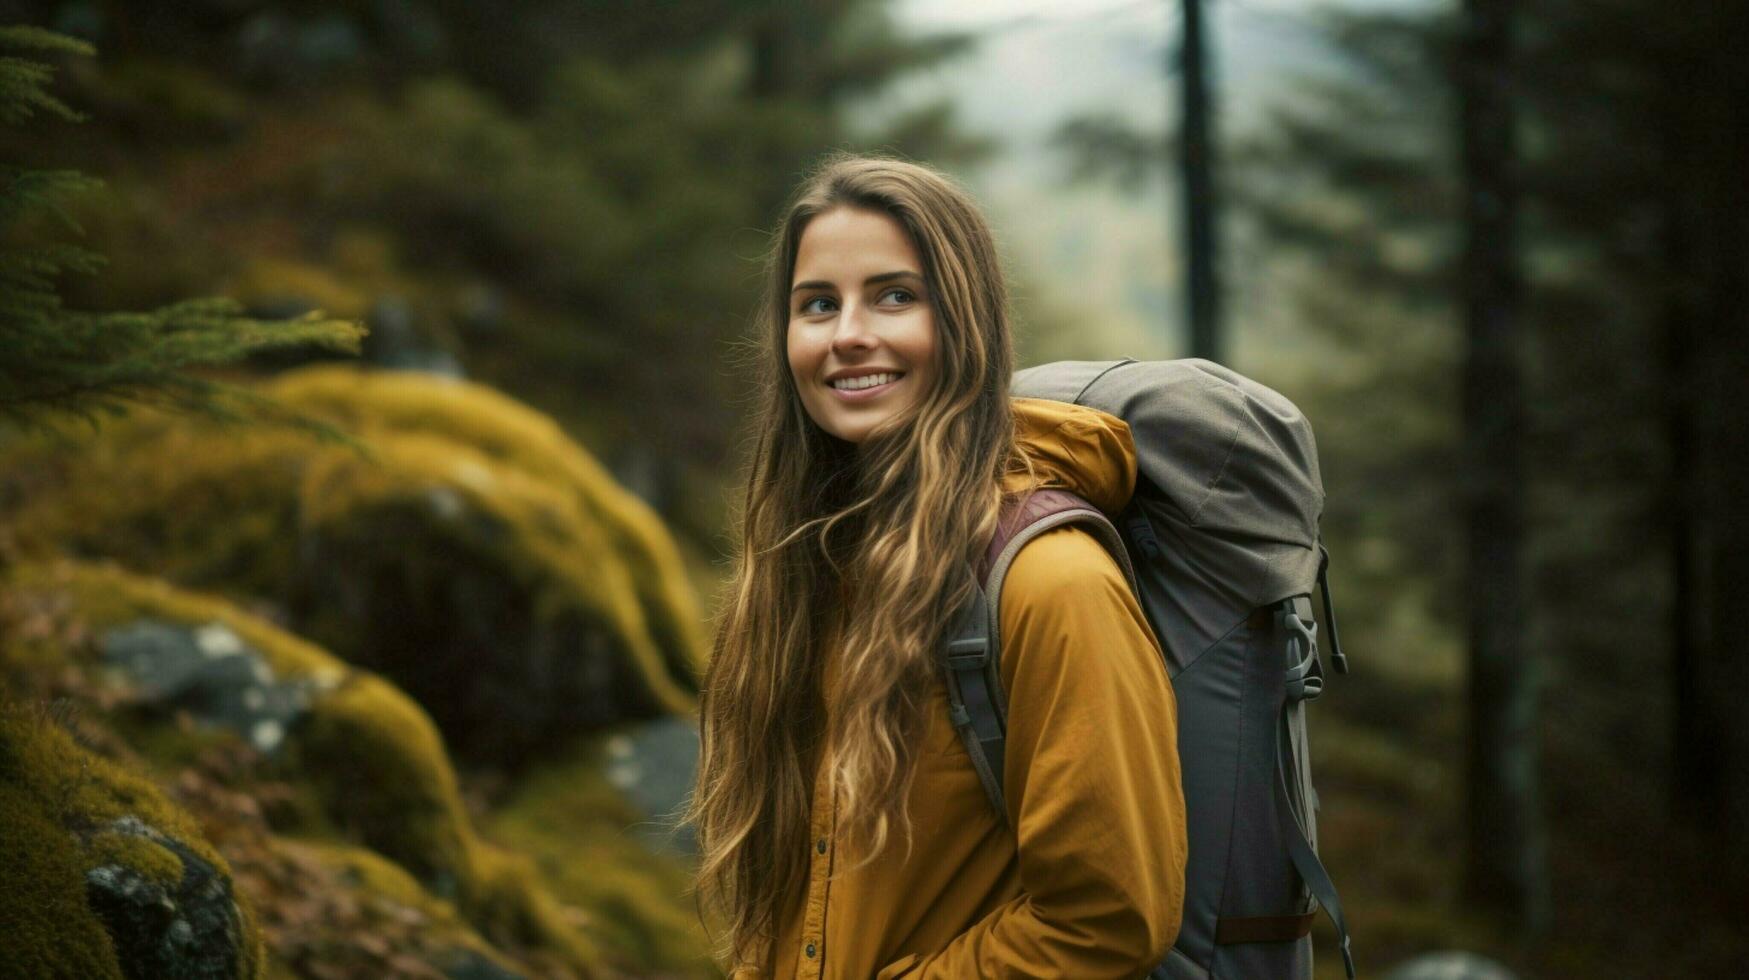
[[904, 294], [808, 307]]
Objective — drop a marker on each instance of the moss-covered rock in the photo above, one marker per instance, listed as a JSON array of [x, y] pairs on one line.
[[105, 877], [380, 788], [515, 435], [580, 830], [477, 556]]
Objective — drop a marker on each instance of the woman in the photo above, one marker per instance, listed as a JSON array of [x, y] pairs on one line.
[[843, 829]]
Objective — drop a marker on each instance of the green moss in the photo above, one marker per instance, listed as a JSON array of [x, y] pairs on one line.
[[201, 505], [83, 790], [576, 826], [152, 860], [377, 875], [254, 952], [379, 762], [512, 909], [503, 903], [49, 929], [541, 533], [466, 490], [52, 795]]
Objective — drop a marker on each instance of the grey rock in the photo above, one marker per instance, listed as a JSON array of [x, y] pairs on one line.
[[211, 673], [653, 763], [1450, 965], [191, 930]]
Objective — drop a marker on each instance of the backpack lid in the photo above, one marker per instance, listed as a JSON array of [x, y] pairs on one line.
[[1228, 480]]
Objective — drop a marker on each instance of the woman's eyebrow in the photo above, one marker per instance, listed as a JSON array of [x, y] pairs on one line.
[[871, 280]]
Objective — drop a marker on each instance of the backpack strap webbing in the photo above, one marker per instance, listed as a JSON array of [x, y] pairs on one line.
[[1300, 850], [971, 658], [971, 701], [1304, 682]]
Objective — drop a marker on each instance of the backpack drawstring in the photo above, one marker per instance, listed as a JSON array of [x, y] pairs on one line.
[[1336, 655]]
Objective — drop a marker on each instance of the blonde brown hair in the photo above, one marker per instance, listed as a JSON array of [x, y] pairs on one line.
[[887, 528]]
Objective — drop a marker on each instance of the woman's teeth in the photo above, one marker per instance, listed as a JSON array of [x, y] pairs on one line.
[[866, 381]]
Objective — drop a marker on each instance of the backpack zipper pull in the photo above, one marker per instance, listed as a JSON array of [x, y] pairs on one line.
[[1336, 655]]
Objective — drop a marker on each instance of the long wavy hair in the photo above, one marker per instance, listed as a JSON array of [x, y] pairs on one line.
[[886, 529]]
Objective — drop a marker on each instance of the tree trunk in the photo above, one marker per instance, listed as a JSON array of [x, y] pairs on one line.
[[1507, 862], [774, 59], [1724, 676], [1712, 726], [1196, 148], [1697, 720], [1694, 774]]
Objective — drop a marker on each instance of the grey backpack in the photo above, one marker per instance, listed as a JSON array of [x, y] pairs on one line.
[[1223, 533]]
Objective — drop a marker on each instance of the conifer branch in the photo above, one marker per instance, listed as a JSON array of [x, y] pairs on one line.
[[57, 362]]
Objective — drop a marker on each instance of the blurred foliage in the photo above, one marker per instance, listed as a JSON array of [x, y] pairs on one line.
[[570, 203], [1353, 185], [1104, 147], [1352, 181], [61, 361]]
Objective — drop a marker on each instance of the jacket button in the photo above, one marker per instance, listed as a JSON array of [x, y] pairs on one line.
[[820, 845], [810, 951]]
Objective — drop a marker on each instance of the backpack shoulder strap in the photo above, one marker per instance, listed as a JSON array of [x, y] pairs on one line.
[[972, 656]]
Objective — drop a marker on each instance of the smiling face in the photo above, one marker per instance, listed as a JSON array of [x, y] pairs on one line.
[[861, 336]]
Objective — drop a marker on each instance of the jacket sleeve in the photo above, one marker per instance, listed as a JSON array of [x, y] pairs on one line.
[[1091, 778]]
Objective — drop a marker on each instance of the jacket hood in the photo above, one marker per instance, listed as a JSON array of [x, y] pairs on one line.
[[1075, 448]]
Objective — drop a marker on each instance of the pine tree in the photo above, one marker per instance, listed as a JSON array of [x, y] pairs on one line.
[[56, 361], [1633, 247]]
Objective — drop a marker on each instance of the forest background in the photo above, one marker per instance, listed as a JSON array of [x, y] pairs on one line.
[[403, 665]]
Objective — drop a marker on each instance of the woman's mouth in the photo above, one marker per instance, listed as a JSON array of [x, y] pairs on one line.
[[864, 387]]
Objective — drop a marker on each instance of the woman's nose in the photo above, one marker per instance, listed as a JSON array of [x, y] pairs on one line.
[[852, 332]]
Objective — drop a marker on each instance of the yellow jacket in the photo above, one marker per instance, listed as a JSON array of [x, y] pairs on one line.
[[1091, 882]]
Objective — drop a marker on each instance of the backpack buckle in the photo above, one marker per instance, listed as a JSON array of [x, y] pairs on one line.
[[1305, 675], [968, 653]]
